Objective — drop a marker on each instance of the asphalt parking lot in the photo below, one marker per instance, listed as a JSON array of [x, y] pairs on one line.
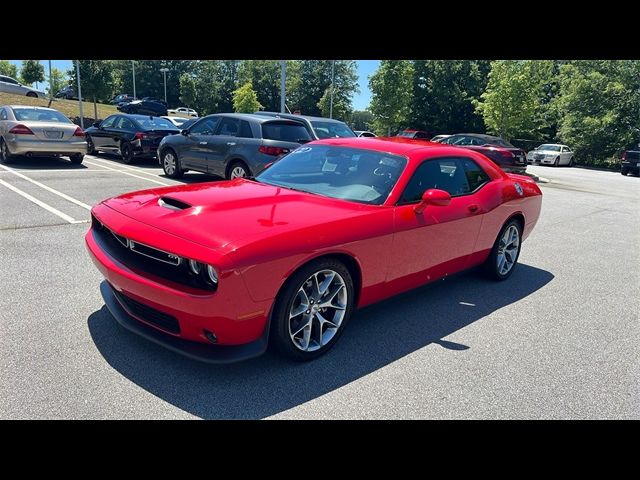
[[559, 339]]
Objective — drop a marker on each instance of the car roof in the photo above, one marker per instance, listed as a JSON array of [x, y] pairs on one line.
[[252, 117], [394, 145], [293, 116], [29, 106], [481, 135]]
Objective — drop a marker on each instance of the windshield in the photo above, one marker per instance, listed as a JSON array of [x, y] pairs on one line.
[[37, 115], [551, 148], [406, 134], [331, 129], [355, 174], [155, 123]]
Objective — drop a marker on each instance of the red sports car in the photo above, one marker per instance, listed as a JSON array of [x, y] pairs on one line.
[[215, 271]]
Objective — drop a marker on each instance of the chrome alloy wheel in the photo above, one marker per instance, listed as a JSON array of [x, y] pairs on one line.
[[317, 310], [169, 163], [508, 250], [238, 172]]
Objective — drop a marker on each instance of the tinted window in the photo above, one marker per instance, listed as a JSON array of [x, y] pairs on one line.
[[364, 176], [245, 129], [331, 129], [229, 127], [108, 123], [445, 174], [421, 135], [36, 115], [124, 123], [9, 80], [3, 114], [476, 177], [288, 132], [451, 140], [155, 123], [633, 155], [205, 127], [500, 142]]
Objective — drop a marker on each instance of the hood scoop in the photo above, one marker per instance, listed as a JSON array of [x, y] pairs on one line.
[[173, 204]]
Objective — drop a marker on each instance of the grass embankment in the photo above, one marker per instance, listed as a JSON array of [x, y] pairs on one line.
[[68, 107]]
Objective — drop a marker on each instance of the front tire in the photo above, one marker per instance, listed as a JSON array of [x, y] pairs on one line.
[[505, 252], [556, 162], [571, 162], [624, 172], [171, 164], [91, 149], [312, 310], [77, 158], [5, 156], [126, 152], [32, 94]]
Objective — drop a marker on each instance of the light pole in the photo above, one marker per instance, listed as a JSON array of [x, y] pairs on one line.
[[79, 93], [50, 84], [133, 71], [283, 81], [333, 72], [164, 72]]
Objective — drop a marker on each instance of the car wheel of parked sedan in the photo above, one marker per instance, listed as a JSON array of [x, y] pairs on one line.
[[571, 162], [624, 172], [5, 156], [171, 164], [126, 152], [32, 94], [556, 162], [77, 158], [238, 170], [312, 309], [91, 149], [505, 252]]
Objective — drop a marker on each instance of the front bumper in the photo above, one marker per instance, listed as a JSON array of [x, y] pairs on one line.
[[633, 167], [196, 351], [23, 146], [541, 161]]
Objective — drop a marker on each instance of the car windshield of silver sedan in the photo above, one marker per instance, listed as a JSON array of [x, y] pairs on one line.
[[39, 115], [354, 174]]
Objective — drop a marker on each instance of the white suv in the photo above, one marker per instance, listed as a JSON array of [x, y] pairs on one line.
[[182, 112]]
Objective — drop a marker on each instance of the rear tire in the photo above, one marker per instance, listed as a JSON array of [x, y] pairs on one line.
[[571, 162], [238, 169], [505, 252], [77, 158], [171, 164], [624, 172], [289, 335], [32, 94], [126, 152], [5, 156], [91, 149]]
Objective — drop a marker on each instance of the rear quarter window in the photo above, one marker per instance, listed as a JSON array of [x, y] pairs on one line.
[[286, 132], [633, 155]]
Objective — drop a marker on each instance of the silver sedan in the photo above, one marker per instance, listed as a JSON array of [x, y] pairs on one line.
[[39, 131]]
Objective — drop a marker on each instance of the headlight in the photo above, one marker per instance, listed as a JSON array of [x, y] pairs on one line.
[[213, 275], [195, 267]]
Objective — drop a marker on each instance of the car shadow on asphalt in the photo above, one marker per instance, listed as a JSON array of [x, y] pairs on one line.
[[43, 163], [376, 336]]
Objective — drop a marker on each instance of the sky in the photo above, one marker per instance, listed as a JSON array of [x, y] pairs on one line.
[[360, 101]]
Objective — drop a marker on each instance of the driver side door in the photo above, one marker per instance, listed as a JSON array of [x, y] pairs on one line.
[[193, 153], [440, 240]]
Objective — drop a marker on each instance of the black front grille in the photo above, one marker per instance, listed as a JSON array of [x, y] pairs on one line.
[[148, 314], [147, 259]]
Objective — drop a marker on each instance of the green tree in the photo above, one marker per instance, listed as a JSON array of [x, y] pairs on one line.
[[188, 91], [264, 75], [9, 69], [96, 80], [443, 95], [341, 107], [512, 105], [391, 95], [57, 80], [313, 79], [362, 120], [598, 107], [32, 71], [245, 99]]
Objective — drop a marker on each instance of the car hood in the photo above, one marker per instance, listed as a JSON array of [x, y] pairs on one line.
[[227, 214]]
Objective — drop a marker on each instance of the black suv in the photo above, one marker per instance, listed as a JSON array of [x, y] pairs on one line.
[[144, 107], [630, 162]]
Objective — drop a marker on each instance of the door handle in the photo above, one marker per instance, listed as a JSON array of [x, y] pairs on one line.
[[231, 144], [473, 208], [203, 143]]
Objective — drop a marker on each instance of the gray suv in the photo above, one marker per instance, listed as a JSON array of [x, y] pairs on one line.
[[318, 127], [230, 145]]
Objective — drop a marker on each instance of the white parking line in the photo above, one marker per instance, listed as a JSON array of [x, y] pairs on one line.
[[49, 189], [123, 167], [49, 208], [127, 173]]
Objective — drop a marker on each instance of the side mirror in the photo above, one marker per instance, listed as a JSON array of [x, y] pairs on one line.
[[435, 197], [96, 124], [185, 132]]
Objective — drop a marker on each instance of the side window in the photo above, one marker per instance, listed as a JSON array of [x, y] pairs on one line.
[[108, 123], [245, 129], [421, 135], [476, 177], [3, 114], [126, 124], [476, 141], [229, 126], [452, 140], [443, 173], [3, 79], [205, 126]]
